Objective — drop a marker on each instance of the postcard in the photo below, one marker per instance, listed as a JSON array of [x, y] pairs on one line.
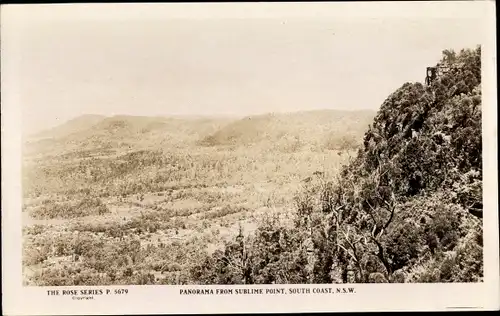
[[249, 157]]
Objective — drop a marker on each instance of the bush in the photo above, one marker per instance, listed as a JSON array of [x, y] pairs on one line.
[[403, 244], [32, 255], [445, 226]]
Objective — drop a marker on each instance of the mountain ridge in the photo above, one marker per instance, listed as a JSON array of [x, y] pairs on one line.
[[95, 118], [315, 128]]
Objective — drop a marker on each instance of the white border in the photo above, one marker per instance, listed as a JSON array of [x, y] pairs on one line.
[[18, 300]]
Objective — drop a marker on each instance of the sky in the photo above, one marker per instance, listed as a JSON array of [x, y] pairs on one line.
[[68, 61]]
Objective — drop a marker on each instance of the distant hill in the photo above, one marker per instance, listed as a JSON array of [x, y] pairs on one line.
[[308, 127], [122, 131], [80, 123], [92, 132]]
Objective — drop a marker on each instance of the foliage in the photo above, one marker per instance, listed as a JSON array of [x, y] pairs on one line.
[[275, 254], [86, 206]]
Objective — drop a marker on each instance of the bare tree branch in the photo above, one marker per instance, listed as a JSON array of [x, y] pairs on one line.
[[380, 255], [390, 217]]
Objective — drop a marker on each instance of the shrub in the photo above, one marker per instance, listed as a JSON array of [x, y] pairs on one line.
[[403, 244]]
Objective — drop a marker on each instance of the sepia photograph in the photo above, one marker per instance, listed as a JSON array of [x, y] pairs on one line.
[[260, 150]]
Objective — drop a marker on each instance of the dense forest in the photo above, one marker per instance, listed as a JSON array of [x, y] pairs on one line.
[[406, 208]]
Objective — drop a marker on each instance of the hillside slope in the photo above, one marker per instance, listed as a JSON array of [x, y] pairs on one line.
[[122, 132], [408, 208], [310, 127], [319, 129], [77, 124]]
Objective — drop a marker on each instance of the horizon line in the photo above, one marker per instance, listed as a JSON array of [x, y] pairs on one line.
[[197, 116]]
